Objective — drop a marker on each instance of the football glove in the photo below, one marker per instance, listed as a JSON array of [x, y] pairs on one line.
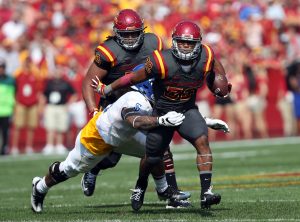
[[172, 118], [98, 86], [217, 124]]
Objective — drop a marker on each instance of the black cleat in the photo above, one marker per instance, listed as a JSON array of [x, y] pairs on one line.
[[137, 198], [88, 183], [209, 198], [177, 204], [37, 198], [171, 194]]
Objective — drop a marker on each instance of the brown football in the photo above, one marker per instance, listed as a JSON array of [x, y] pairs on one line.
[[217, 84]]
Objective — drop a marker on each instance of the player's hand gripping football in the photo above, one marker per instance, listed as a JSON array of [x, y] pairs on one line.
[[217, 124], [172, 118], [222, 94], [98, 86]]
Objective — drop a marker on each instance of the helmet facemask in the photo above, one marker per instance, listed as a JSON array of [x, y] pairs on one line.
[[130, 40], [185, 53]]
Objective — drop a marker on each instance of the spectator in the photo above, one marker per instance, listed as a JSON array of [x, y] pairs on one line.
[[7, 101], [58, 92], [77, 109], [14, 28], [28, 89], [294, 83]]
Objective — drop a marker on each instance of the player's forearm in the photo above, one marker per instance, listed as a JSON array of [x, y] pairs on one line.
[[125, 81], [88, 95], [218, 67], [143, 122]]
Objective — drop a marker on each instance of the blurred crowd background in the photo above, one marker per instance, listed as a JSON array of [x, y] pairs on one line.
[[48, 42]]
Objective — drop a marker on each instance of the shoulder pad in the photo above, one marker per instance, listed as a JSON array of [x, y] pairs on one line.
[[154, 41]]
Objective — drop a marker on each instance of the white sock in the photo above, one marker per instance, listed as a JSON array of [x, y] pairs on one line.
[[41, 186], [161, 184]]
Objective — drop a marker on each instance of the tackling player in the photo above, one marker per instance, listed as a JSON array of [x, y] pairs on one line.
[[178, 73], [115, 57], [115, 128]]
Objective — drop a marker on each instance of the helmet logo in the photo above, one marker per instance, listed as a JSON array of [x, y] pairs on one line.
[[131, 28], [187, 36]]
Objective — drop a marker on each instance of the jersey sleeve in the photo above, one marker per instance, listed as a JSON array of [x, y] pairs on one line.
[[155, 66], [209, 58], [104, 57], [136, 104], [154, 41]]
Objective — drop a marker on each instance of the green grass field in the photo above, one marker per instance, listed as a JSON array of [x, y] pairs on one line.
[[257, 181]]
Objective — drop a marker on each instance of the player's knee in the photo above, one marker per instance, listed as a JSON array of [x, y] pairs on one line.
[[57, 175], [154, 160], [110, 161], [202, 143], [168, 155]]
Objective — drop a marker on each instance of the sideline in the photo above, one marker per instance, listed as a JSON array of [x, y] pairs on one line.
[[247, 143]]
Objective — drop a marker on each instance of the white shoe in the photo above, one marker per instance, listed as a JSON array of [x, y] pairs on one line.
[[37, 198], [29, 150], [60, 149], [14, 151], [48, 149]]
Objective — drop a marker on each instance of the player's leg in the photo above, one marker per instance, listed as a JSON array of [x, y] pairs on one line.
[[170, 173], [4, 128], [88, 181], [78, 160], [157, 140], [194, 129]]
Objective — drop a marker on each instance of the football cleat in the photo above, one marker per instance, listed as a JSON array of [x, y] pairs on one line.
[[88, 183], [137, 198], [209, 198], [177, 204], [184, 194], [170, 194], [37, 198]]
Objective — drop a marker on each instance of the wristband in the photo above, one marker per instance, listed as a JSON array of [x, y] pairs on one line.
[[107, 89], [91, 113]]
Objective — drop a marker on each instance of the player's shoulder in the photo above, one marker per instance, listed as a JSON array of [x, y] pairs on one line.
[[207, 50], [107, 52], [162, 55], [133, 96], [153, 41], [109, 46]]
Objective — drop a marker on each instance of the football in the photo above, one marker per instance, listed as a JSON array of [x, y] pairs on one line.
[[217, 84]]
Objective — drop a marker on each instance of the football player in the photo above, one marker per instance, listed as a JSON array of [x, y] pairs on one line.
[[115, 57], [116, 128], [178, 73]]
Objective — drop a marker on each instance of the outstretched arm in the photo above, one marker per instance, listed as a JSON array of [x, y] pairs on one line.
[[171, 119], [127, 80]]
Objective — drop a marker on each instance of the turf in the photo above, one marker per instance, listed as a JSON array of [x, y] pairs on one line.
[[257, 183]]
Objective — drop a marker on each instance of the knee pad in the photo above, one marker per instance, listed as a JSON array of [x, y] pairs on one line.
[[56, 174], [154, 160], [110, 161]]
